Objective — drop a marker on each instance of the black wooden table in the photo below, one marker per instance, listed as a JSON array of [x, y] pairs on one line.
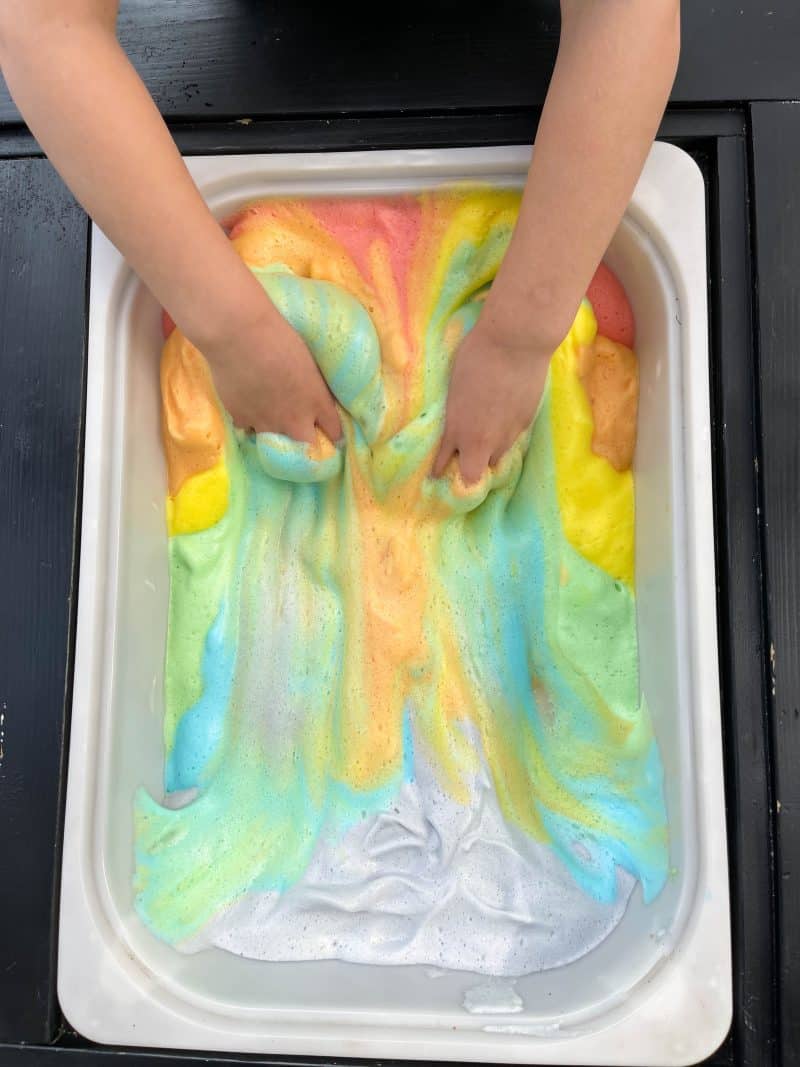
[[316, 77]]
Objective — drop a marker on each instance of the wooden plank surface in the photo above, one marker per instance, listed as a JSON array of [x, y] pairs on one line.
[[232, 58], [746, 727], [776, 174], [389, 131], [43, 238]]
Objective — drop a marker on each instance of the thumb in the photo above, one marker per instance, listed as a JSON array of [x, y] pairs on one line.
[[444, 455], [329, 422]]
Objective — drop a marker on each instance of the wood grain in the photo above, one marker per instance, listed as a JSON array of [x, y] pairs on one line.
[[43, 238], [746, 727], [776, 176], [232, 58]]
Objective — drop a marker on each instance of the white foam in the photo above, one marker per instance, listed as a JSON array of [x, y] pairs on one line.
[[428, 881]]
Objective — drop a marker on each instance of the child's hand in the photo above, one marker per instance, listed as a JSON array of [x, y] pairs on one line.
[[495, 389], [268, 381]]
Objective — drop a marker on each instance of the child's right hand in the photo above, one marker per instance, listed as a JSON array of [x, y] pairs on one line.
[[268, 381]]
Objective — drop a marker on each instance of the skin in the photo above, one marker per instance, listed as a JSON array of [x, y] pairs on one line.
[[615, 67]]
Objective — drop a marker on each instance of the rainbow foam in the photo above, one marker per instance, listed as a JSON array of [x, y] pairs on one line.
[[398, 707]]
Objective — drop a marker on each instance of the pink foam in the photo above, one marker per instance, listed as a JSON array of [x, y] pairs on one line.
[[355, 224], [612, 310]]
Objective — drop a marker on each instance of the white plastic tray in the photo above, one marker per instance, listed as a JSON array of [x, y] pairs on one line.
[[658, 991]]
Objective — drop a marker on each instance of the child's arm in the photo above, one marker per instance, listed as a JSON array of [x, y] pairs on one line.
[[95, 120], [616, 64]]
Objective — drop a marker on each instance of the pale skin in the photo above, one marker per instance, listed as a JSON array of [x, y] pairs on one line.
[[616, 64]]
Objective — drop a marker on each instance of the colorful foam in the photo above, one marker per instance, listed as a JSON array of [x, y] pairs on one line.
[[383, 690]]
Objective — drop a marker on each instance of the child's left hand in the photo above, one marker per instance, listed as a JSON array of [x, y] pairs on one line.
[[495, 388]]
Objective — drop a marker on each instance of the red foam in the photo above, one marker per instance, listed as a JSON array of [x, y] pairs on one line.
[[610, 304], [611, 308]]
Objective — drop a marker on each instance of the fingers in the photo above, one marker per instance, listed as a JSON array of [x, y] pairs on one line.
[[474, 449], [473, 463], [446, 450], [473, 453], [501, 449], [301, 426], [303, 430], [329, 422]]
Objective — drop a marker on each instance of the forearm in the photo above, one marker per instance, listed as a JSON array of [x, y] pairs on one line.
[[615, 67], [103, 133]]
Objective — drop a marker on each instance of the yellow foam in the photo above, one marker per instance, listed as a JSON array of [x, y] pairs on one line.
[[596, 501], [200, 502]]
